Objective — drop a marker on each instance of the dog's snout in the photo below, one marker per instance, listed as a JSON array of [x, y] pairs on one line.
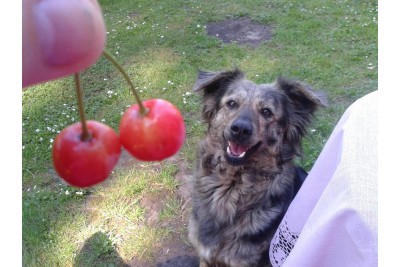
[[241, 129]]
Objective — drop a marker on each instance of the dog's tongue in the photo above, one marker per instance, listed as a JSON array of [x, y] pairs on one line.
[[237, 149]]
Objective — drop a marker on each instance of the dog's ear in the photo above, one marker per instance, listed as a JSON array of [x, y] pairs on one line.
[[302, 96], [213, 86], [304, 101]]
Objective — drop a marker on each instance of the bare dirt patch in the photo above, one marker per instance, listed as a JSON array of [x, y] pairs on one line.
[[174, 251], [243, 31]]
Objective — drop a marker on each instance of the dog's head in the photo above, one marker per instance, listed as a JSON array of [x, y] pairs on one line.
[[251, 121]]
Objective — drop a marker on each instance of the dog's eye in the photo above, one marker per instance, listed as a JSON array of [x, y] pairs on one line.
[[231, 104], [266, 112]]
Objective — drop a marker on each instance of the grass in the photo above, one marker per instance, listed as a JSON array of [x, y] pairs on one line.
[[331, 45]]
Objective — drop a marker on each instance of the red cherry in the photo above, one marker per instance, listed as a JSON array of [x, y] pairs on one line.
[[83, 163], [155, 136]]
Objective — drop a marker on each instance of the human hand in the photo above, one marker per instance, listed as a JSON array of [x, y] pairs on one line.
[[60, 37]]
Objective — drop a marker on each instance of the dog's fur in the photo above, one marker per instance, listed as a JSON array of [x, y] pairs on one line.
[[238, 200]]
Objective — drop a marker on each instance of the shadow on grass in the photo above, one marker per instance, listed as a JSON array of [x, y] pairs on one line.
[[98, 250], [180, 261]]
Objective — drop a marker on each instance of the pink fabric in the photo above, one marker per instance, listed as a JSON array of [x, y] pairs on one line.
[[333, 220]]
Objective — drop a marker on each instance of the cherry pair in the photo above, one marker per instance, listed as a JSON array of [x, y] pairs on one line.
[[85, 153]]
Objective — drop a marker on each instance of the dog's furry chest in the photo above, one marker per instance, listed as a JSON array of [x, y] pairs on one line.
[[237, 206], [235, 194], [231, 192]]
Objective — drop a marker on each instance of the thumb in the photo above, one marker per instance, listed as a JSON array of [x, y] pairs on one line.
[[60, 37]]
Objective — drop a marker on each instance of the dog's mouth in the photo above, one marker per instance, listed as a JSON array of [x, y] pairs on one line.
[[236, 150], [236, 153]]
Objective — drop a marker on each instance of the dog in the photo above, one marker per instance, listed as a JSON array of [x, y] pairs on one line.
[[245, 178]]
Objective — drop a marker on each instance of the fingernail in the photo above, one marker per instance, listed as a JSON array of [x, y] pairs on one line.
[[64, 29]]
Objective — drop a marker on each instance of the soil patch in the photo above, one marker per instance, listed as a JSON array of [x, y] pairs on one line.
[[175, 251], [242, 31]]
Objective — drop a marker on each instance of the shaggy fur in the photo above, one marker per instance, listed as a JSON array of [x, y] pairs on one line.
[[245, 178]]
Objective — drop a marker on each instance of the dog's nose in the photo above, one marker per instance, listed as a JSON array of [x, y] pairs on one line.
[[241, 129]]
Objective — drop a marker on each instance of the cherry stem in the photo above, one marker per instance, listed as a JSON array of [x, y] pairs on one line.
[[142, 109], [79, 93]]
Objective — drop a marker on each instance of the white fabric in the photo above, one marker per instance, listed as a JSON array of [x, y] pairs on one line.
[[333, 220]]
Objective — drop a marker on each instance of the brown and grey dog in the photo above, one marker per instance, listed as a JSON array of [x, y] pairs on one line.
[[245, 178]]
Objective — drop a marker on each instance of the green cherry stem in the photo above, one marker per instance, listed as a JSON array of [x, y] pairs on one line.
[[79, 93], [142, 109]]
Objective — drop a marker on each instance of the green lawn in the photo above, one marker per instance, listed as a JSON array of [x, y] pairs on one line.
[[332, 45]]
